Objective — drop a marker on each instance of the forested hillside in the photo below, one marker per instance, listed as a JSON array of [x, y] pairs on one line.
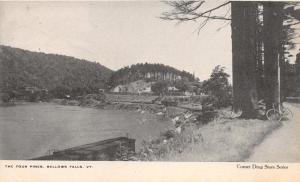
[[21, 68], [152, 72]]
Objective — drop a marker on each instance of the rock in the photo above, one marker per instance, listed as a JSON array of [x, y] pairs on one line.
[[176, 118], [169, 134], [178, 129], [188, 115]]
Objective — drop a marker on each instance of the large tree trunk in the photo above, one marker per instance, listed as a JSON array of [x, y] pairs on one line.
[[259, 56], [244, 16], [237, 52], [273, 22]]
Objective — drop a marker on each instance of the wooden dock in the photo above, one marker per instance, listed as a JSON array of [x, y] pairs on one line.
[[104, 150]]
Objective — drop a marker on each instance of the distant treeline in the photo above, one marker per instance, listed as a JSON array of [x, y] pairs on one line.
[[152, 72], [56, 73]]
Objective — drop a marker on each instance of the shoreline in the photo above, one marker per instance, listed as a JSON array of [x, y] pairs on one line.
[[193, 138]]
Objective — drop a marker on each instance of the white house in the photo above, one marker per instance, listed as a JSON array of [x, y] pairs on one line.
[[119, 88], [172, 88]]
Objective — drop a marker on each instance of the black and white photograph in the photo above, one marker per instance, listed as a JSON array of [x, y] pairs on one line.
[[178, 81]]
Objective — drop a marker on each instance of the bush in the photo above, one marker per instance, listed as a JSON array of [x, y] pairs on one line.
[[160, 87], [33, 97], [98, 97], [5, 97], [60, 92], [124, 153], [206, 117], [209, 100], [169, 102], [218, 86]]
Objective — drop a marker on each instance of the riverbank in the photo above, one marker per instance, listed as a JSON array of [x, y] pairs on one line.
[[127, 106], [222, 140], [139, 103], [194, 136]]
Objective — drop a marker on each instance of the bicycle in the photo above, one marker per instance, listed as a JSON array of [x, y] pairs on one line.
[[282, 112], [237, 113]]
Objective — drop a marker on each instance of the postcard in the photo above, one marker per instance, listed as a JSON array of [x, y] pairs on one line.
[[149, 90]]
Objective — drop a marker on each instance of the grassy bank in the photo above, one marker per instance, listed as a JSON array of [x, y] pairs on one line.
[[222, 140]]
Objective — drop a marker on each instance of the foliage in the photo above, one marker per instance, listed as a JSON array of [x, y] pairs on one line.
[[292, 80], [169, 101], [98, 97], [22, 68], [218, 86], [160, 87], [183, 85], [33, 97], [60, 91], [149, 72], [5, 97], [169, 142], [206, 117], [209, 101], [124, 153]]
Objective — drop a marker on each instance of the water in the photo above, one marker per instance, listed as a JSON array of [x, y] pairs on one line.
[[31, 130]]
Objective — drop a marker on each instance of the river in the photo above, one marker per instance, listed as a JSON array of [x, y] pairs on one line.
[[34, 129]]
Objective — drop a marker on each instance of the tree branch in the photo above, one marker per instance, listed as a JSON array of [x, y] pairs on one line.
[[185, 11]]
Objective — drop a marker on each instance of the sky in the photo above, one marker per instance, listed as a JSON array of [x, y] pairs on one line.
[[117, 34]]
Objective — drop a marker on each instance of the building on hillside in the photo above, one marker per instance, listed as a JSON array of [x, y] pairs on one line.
[[146, 90], [148, 75], [119, 88], [33, 89], [178, 77], [189, 93], [172, 88]]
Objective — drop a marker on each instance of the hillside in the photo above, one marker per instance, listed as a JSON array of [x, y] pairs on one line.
[[150, 72], [21, 68]]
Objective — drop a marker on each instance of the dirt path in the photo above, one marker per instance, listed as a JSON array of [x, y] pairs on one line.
[[283, 145]]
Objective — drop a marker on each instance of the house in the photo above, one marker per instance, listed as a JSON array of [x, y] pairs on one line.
[[188, 93], [148, 75], [119, 88], [101, 90], [173, 89], [32, 89], [178, 77], [146, 90]]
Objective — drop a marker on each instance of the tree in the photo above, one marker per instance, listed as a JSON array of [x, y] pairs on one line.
[[60, 91], [5, 97], [182, 85], [292, 79], [273, 28], [257, 46], [244, 46], [160, 87], [149, 72], [21, 68], [218, 86]]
